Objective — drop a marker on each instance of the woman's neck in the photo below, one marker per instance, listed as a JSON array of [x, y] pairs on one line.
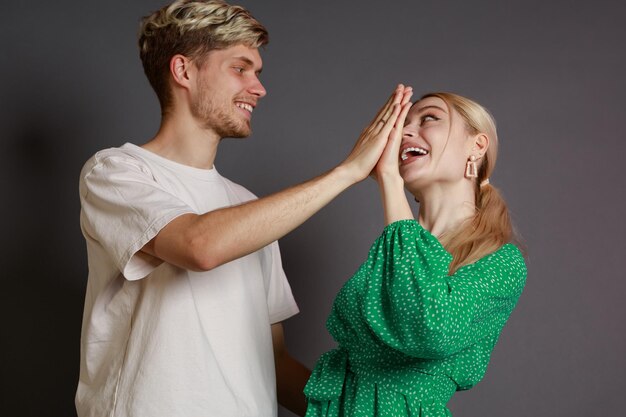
[[444, 207]]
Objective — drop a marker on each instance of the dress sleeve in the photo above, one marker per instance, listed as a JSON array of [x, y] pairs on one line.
[[414, 306], [122, 208]]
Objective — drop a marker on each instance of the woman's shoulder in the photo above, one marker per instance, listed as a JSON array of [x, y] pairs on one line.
[[506, 265], [508, 254]]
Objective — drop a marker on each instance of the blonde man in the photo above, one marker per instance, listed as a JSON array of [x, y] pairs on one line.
[[186, 291]]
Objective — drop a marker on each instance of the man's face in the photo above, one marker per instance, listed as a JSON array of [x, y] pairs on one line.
[[227, 90]]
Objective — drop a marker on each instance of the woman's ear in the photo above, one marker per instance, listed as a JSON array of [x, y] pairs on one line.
[[481, 144]]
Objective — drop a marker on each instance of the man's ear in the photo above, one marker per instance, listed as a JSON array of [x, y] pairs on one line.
[[182, 70]]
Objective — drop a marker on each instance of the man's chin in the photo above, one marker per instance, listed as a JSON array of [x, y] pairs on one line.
[[235, 136], [239, 132]]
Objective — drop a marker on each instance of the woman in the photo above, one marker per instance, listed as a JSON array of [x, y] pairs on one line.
[[419, 319]]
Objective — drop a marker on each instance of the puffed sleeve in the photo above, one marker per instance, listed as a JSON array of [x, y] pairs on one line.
[[412, 305]]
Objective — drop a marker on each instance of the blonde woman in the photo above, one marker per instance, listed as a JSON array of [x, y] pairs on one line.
[[419, 319]]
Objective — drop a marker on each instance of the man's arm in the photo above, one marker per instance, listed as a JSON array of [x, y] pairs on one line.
[[291, 375], [203, 242]]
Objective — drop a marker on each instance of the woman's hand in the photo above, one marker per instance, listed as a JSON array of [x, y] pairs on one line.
[[374, 138], [387, 171], [388, 164]]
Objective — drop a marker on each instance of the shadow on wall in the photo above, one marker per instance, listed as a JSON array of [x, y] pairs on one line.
[[44, 269]]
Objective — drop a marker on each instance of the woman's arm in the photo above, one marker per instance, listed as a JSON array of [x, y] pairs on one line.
[[387, 171], [414, 306]]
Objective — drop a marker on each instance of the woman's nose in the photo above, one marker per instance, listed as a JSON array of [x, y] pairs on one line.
[[407, 133]]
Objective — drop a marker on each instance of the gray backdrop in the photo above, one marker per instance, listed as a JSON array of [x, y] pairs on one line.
[[552, 72]]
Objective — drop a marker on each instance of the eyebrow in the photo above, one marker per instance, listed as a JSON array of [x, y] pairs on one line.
[[431, 107], [248, 61]]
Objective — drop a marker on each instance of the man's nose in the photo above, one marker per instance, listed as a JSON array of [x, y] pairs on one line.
[[257, 88]]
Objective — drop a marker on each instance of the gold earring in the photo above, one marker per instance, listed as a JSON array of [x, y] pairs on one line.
[[471, 171]]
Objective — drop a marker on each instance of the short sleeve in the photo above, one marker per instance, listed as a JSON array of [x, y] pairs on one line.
[[280, 301], [413, 305], [122, 208]]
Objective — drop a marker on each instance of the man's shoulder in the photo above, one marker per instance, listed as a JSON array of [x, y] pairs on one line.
[[127, 151], [122, 155], [109, 164]]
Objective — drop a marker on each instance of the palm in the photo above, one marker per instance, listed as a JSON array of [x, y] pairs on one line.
[[389, 160], [375, 137], [388, 164]]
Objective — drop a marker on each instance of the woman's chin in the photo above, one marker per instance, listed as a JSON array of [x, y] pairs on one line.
[[413, 179]]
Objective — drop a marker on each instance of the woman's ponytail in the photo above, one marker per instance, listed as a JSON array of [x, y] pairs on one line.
[[491, 226]]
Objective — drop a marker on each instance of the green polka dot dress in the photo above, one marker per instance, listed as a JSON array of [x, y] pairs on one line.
[[409, 336]]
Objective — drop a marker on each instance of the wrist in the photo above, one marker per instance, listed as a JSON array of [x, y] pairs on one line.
[[390, 180], [346, 176]]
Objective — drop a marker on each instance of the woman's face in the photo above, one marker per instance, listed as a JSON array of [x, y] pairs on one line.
[[435, 145]]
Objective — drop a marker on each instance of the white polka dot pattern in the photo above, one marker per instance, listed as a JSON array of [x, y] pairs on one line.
[[409, 335]]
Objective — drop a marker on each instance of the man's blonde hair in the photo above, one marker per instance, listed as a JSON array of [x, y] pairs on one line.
[[192, 28]]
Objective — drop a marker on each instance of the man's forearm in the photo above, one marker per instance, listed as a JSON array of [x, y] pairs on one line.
[[203, 242]]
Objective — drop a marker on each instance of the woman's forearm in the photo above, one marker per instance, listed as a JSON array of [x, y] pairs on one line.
[[395, 204]]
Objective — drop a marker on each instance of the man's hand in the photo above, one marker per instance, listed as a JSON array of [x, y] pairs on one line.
[[373, 140], [206, 241]]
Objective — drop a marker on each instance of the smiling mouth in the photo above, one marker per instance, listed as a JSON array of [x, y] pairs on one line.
[[245, 106], [412, 151]]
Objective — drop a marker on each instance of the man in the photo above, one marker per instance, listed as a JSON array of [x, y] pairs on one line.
[[186, 291]]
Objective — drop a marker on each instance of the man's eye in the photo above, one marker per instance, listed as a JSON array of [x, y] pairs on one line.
[[238, 69]]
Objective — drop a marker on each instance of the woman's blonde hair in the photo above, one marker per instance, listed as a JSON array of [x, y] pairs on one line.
[[491, 226], [192, 28]]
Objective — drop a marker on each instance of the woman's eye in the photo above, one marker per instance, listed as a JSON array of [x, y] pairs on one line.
[[428, 118]]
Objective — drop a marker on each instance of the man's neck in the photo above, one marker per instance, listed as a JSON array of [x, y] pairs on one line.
[[182, 140]]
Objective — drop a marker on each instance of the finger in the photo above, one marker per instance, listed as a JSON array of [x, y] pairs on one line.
[[398, 122], [401, 94], [380, 126], [389, 101], [388, 125], [385, 109], [403, 113], [408, 93], [396, 101], [396, 133]]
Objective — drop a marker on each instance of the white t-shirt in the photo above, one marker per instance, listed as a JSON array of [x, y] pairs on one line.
[[158, 340]]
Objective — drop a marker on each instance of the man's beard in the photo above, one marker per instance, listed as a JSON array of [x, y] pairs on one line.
[[217, 118]]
